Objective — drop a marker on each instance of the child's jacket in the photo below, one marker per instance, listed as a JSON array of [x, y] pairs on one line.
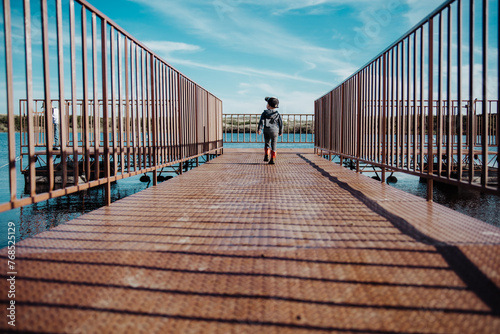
[[271, 119]]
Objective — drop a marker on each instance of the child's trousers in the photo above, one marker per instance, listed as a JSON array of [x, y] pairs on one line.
[[271, 137]]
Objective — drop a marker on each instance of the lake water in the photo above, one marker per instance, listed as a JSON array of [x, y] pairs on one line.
[[35, 218]]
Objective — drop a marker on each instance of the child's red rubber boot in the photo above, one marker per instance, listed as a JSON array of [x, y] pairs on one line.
[[266, 155], [273, 158]]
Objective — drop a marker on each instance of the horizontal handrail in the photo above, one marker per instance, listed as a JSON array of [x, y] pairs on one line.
[[381, 115], [148, 115], [242, 128]]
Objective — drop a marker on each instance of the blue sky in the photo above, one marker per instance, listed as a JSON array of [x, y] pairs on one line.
[[244, 50]]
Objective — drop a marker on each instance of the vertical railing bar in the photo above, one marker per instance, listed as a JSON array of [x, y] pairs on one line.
[[485, 123], [459, 91], [449, 141], [371, 115], [182, 118], [160, 111], [288, 129], [132, 124], [381, 110], [29, 93], [163, 111], [341, 120], [207, 129], [144, 110], [149, 108], [294, 127], [366, 114], [154, 108], [76, 165], [136, 127], [300, 129], [232, 125], [85, 114], [141, 106], [470, 111], [198, 122], [238, 128], [439, 135], [358, 117], [168, 113], [180, 132], [497, 132], [415, 114], [422, 100], [347, 118], [408, 109], [105, 113], [10, 97], [397, 108], [392, 117], [175, 115], [62, 104], [113, 100], [329, 115], [384, 116], [378, 110], [404, 100], [430, 131], [97, 121], [352, 116], [128, 98], [48, 101], [120, 105]]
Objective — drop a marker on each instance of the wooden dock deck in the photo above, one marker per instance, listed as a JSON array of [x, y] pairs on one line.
[[239, 246]]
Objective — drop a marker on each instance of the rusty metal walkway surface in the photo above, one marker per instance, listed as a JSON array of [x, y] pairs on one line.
[[239, 246]]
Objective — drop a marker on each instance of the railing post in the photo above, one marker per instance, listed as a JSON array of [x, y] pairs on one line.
[[341, 127], [62, 103], [430, 118], [358, 120], [485, 123], [384, 116], [85, 105], [10, 100], [153, 121], [180, 150], [48, 102], [29, 95], [105, 114]]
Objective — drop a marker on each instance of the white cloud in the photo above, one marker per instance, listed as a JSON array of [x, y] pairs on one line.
[[166, 48], [236, 29], [250, 99], [247, 71], [420, 9]]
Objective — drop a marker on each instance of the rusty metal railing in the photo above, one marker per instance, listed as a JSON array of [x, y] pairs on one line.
[[381, 115], [242, 128], [147, 116]]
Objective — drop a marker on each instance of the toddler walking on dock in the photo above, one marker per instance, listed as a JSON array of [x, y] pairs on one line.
[[272, 124]]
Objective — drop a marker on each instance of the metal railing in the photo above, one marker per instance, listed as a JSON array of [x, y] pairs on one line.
[[242, 128], [381, 115], [148, 115]]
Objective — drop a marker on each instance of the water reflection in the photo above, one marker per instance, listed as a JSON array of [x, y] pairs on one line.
[[481, 206], [33, 219]]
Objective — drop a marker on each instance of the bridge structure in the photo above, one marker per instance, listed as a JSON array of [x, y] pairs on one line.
[[237, 245]]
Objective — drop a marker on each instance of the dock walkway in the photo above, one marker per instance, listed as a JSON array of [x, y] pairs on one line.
[[239, 246]]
